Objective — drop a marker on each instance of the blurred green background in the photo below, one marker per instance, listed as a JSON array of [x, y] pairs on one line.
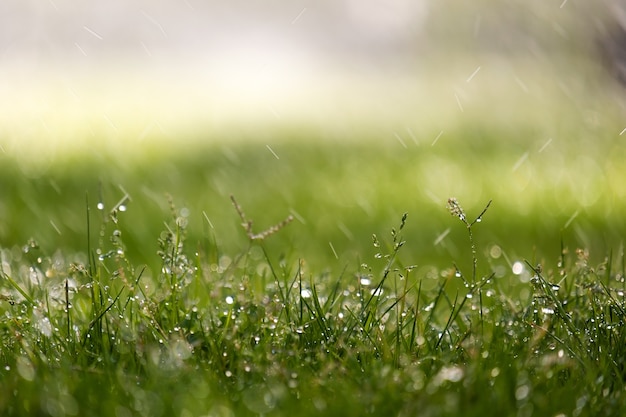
[[342, 114]]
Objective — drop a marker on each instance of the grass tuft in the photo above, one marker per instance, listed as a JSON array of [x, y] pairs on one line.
[[251, 334]]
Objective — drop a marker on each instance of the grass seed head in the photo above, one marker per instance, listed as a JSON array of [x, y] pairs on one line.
[[455, 209]]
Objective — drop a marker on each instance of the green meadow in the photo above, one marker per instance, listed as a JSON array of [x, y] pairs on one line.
[[461, 256]]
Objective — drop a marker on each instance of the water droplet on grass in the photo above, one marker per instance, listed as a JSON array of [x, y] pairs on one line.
[[229, 300], [25, 368], [377, 292], [521, 393], [45, 327], [452, 374]]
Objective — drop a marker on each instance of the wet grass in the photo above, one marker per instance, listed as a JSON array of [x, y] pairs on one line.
[[116, 299], [356, 286], [254, 333]]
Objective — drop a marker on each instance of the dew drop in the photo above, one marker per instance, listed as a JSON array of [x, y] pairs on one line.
[[377, 292], [45, 326], [522, 392]]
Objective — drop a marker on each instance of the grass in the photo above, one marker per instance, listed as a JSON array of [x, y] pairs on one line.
[[134, 285], [260, 331]]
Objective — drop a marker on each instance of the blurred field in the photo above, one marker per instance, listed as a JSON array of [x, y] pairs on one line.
[[547, 184]]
